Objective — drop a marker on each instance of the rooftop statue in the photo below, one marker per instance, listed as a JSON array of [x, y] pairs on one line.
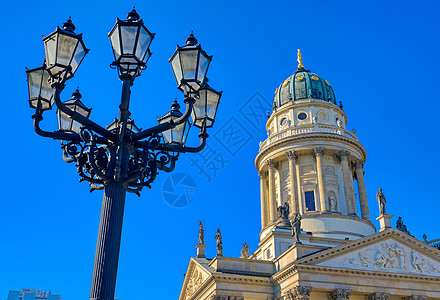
[[245, 251], [201, 234], [218, 238], [380, 197]]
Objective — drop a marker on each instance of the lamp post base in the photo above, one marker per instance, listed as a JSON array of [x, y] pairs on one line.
[[108, 244]]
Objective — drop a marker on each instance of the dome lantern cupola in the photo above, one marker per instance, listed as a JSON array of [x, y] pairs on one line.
[[302, 85]]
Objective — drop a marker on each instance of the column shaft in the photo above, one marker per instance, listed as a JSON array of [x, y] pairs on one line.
[[319, 152], [272, 193], [348, 183], [362, 191], [294, 199], [263, 198]]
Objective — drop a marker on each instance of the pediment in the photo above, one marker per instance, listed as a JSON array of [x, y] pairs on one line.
[[195, 276], [389, 251]]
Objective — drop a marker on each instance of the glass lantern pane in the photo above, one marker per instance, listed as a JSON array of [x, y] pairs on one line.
[[81, 111], [66, 47], [211, 104], [46, 89], [116, 45], [76, 126], [142, 44], [51, 47], [177, 68], [35, 79], [80, 52], [177, 133], [189, 63], [63, 121], [203, 66], [128, 36]]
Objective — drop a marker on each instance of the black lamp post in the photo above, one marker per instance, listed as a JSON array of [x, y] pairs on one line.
[[120, 158]]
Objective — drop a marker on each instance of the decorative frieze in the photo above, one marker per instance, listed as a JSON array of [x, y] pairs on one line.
[[299, 293], [415, 297], [379, 296], [339, 294], [224, 297]]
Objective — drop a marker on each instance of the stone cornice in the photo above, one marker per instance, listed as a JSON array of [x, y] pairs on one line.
[[304, 137]]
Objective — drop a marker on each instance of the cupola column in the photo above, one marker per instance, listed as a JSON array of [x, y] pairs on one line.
[[272, 193], [292, 156], [348, 183], [263, 176], [359, 169], [319, 153]]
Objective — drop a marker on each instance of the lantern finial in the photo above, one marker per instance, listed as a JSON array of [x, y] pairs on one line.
[[175, 106], [68, 25], [76, 94], [133, 15], [191, 40]]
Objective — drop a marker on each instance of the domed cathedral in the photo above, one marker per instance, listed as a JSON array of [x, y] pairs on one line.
[[317, 240], [308, 165]]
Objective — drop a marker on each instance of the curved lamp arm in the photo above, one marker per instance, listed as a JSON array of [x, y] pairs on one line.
[[165, 126], [57, 88], [182, 148], [56, 135]]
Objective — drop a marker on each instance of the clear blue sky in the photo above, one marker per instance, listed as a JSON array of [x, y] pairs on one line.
[[381, 58]]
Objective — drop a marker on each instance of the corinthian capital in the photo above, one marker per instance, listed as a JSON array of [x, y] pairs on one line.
[[359, 164], [270, 163], [319, 151], [378, 296], [299, 293], [340, 294], [343, 155], [291, 155], [262, 174]]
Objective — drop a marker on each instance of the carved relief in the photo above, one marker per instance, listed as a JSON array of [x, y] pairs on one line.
[[329, 171], [332, 200], [415, 297], [378, 296], [392, 257], [193, 284]]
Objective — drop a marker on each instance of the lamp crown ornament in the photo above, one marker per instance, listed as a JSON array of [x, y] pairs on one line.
[[191, 40], [76, 94], [175, 106], [69, 26], [299, 60], [133, 15]]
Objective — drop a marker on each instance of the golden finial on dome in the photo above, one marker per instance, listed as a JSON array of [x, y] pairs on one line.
[[300, 60]]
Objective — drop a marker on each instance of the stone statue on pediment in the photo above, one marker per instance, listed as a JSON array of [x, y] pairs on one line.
[[380, 197], [201, 234], [296, 228], [218, 238]]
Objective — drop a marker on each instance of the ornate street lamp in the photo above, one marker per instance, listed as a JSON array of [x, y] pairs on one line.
[[65, 122], [65, 50], [190, 64], [206, 106], [40, 90], [120, 158], [178, 134], [131, 42]]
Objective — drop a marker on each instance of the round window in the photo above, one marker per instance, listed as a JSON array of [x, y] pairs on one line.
[[302, 116], [284, 122]]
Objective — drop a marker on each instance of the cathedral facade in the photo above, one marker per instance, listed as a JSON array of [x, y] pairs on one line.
[[317, 240]]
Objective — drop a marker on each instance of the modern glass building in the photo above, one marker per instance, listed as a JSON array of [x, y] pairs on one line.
[[32, 294]]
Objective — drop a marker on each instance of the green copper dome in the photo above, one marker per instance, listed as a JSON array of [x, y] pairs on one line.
[[303, 85]]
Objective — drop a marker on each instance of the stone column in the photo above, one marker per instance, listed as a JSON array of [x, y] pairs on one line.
[[263, 176], [272, 194], [319, 153], [294, 199], [359, 167], [299, 293], [348, 188], [339, 294], [378, 296]]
